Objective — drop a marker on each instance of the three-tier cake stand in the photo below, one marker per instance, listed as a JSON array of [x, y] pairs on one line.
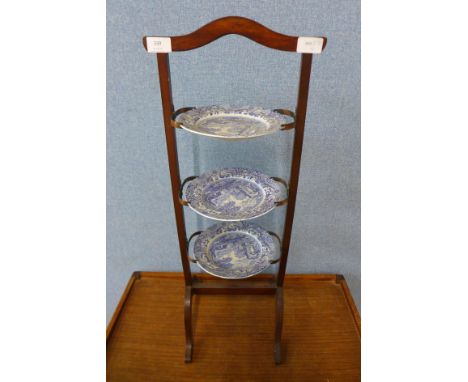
[[233, 250]]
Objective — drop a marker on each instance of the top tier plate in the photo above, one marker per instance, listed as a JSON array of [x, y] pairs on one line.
[[228, 122]]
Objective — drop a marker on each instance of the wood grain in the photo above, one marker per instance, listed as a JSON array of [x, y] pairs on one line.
[[234, 334], [233, 25]]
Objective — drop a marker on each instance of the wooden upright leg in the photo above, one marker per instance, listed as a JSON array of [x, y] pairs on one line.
[[171, 143], [188, 324], [279, 324], [301, 110]]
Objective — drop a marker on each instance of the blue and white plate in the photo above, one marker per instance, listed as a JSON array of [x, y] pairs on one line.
[[233, 194], [231, 122], [234, 250]]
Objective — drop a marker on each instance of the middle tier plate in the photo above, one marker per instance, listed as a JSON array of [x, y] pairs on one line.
[[233, 194]]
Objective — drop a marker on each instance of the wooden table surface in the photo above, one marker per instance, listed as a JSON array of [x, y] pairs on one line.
[[234, 334]]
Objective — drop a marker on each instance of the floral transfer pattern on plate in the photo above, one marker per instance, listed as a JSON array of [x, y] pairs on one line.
[[234, 250], [231, 122], [233, 194]]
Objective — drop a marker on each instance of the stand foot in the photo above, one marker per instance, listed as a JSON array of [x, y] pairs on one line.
[[188, 324], [279, 324]]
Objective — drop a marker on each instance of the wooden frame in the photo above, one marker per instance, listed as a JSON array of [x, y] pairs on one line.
[[266, 37]]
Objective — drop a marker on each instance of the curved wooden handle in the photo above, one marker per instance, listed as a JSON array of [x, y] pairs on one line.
[[233, 25]]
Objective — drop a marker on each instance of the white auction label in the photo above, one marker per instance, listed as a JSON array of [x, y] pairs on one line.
[[309, 45], [158, 44]]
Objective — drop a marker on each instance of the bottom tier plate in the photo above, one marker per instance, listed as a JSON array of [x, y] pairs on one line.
[[234, 250]]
